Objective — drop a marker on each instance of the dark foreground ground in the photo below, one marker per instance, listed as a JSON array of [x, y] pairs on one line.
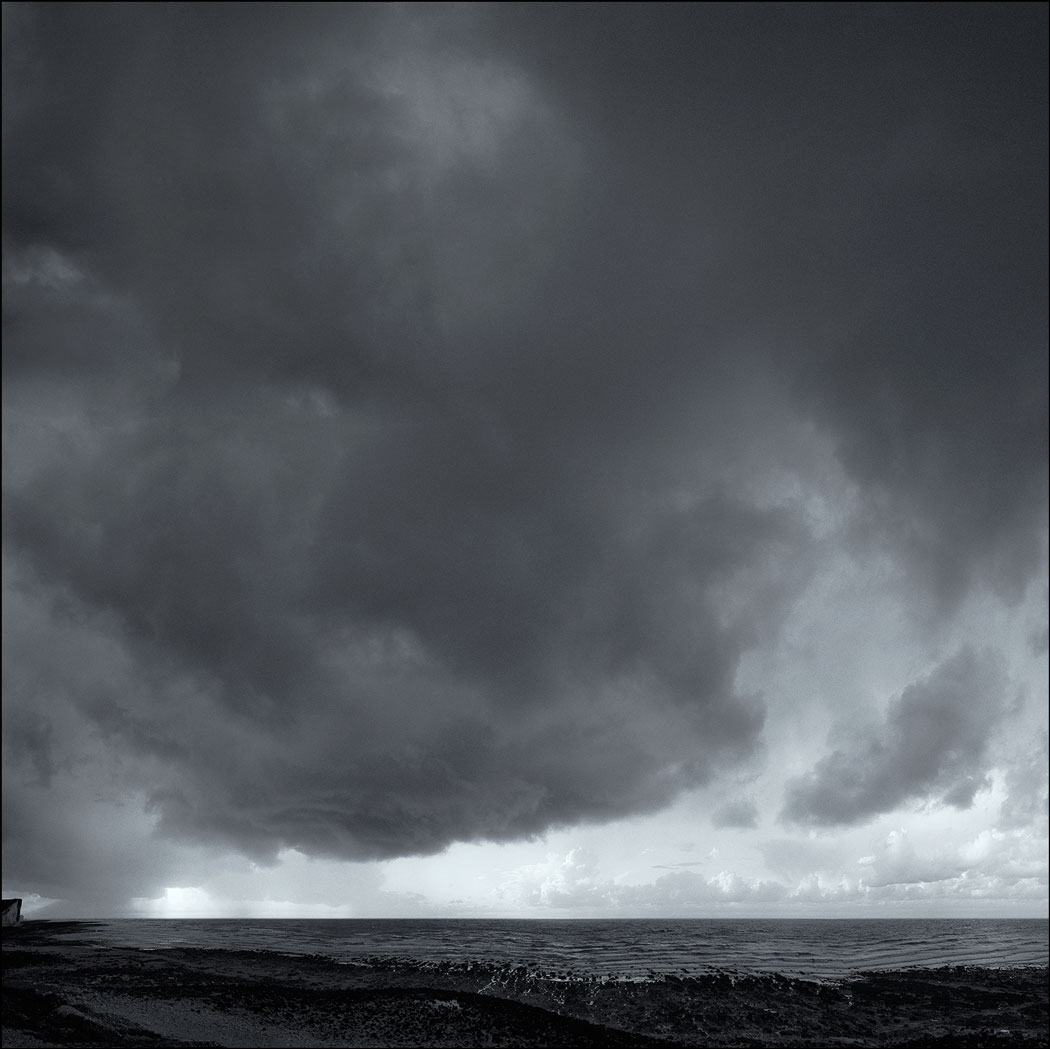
[[78, 993]]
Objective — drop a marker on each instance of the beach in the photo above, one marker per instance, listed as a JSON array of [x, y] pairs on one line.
[[64, 989]]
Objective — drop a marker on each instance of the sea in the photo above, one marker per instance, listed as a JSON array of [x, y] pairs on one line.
[[610, 950]]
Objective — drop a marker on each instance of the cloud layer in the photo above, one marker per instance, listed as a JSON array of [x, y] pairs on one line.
[[933, 742], [413, 414]]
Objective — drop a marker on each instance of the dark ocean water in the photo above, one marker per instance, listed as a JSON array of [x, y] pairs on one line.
[[613, 950]]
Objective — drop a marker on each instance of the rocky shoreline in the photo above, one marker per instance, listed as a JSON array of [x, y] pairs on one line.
[[75, 992]]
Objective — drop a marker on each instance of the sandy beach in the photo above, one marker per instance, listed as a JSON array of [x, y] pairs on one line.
[[70, 991]]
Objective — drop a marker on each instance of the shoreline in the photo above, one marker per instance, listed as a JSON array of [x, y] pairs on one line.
[[76, 992]]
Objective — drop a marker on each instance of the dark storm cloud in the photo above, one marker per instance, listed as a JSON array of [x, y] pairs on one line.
[[400, 395], [872, 185], [933, 743]]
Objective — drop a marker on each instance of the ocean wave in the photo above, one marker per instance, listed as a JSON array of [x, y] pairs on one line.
[[619, 949]]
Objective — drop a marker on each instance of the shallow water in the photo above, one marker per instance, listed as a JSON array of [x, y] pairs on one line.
[[623, 949]]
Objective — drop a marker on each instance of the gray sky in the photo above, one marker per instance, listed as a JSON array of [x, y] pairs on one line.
[[438, 438]]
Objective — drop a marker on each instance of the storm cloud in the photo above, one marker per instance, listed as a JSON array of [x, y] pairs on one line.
[[414, 413], [933, 742]]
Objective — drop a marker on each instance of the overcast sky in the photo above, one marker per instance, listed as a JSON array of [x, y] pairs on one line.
[[543, 460]]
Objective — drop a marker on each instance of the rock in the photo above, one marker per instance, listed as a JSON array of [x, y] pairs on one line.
[[12, 914]]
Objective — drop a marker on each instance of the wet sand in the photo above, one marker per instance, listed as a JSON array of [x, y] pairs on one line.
[[73, 992]]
